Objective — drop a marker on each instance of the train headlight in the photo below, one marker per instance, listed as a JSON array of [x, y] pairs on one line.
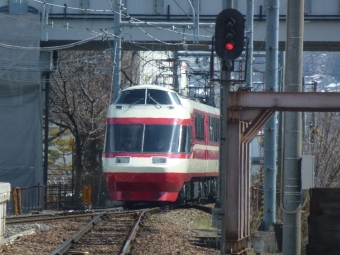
[[122, 160], [159, 160]]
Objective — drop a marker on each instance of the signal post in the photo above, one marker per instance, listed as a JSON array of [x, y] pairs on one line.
[[234, 152]]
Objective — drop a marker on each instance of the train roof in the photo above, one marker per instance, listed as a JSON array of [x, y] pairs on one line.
[[148, 86], [187, 103]]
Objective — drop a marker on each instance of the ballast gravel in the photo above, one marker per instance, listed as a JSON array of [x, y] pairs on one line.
[[169, 232]]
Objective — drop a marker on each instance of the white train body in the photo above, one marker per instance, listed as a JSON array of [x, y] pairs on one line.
[[160, 147]]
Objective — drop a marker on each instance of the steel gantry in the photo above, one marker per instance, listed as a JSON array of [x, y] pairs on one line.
[[247, 113]]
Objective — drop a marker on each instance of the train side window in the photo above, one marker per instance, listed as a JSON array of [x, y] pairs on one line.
[[189, 139], [186, 142], [109, 142], [176, 98], [185, 139], [199, 127], [214, 129]]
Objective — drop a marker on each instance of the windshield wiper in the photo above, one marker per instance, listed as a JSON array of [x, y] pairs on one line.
[[158, 104], [136, 102]]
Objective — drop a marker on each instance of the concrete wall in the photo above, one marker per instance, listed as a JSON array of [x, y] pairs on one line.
[[5, 192]]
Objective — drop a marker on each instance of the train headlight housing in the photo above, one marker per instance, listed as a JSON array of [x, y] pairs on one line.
[[122, 160], [159, 160]]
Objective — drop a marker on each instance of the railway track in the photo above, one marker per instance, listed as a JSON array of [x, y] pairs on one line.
[[57, 216], [109, 232], [106, 233]]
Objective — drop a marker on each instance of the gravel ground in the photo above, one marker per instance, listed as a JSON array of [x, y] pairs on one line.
[[177, 231], [174, 232], [38, 239]]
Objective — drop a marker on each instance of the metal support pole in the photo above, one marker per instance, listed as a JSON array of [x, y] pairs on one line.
[[196, 20], [72, 178], [249, 29], [280, 124], [224, 90], [47, 109], [291, 201], [304, 115], [269, 163], [315, 85], [175, 71], [117, 48]]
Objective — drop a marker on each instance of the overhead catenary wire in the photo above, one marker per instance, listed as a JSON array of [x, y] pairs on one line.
[[127, 16], [94, 37], [66, 46], [98, 34]]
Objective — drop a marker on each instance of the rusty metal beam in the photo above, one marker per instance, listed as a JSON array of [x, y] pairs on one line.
[[236, 220], [256, 125], [255, 108], [286, 101], [243, 115]]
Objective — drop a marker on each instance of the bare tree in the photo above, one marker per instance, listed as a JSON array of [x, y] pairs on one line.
[[324, 143], [79, 97]]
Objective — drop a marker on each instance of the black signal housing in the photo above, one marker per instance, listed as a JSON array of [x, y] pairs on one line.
[[229, 34]]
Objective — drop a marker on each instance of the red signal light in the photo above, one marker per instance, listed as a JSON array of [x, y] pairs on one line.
[[229, 46], [229, 34]]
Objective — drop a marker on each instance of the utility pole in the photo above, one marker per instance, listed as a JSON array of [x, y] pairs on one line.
[[47, 57], [196, 16], [269, 163], [46, 132], [224, 90], [117, 7], [291, 201], [229, 45], [249, 29], [174, 71], [280, 123]]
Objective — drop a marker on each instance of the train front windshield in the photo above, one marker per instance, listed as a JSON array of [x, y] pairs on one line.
[[148, 138]]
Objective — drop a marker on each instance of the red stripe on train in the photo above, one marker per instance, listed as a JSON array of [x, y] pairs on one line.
[[213, 154], [145, 155], [206, 154], [198, 154], [160, 121]]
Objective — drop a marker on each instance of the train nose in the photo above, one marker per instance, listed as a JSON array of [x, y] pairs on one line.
[[155, 196], [126, 195]]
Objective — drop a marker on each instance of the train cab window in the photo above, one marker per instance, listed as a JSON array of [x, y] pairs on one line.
[[136, 96], [167, 139], [124, 138], [199, 127], [156, 96], [214, 129], [148, 138], [148, 96]]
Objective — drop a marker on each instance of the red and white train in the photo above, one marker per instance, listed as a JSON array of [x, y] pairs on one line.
[[160, 146]]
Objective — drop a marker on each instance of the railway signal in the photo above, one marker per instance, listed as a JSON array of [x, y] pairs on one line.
[[229, 34]]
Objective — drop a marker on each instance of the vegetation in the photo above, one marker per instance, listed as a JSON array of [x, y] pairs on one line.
[[80, 93], [59, 152], [323, 142]]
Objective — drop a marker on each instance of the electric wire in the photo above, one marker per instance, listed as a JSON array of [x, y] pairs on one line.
[[93, 37], [121, 13]]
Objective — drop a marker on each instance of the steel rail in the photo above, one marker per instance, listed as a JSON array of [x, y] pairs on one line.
[[57, 216], [132, 234], [61, 250], [48, 218]]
